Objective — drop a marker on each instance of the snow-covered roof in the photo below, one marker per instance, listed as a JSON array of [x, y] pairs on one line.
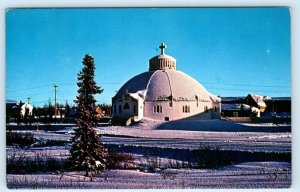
[[11, 101], [281, 98], [258, 99], [239, 98], [135, 95], [235, 107], [164, 84], [26, 105]]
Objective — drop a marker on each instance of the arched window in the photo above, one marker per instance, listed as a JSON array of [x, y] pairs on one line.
[[134, 108], [126, 106]]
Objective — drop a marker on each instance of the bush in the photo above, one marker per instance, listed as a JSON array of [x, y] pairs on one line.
[[18, 138], [41, 162], [50, 142], [119, 160], [211, 157]]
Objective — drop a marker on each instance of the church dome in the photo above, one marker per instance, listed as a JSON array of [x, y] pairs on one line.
[[164, 85], [163, 82]]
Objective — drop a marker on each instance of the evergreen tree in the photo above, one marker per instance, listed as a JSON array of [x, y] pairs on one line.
[[87, 152]]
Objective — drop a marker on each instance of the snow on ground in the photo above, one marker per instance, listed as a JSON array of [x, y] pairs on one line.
[[179, 135], [149, 133], [263, 124], [242, 141], [209, 125], [245, 175]]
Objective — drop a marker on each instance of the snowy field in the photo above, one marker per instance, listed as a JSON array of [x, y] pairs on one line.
[[245, 175], [179, 137]]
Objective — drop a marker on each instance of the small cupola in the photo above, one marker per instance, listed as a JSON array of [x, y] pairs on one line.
[[162, 61]]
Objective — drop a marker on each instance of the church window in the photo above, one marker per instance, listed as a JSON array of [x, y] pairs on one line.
[[120, 109], [157, 109], [205, 109], [186, 109], [134, 108], [215, 109], [126, 106]]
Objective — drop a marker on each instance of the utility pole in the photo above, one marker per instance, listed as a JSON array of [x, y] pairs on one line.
[[55, 104], [28, 99]]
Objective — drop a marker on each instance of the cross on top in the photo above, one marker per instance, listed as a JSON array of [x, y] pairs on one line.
[[162, 47]]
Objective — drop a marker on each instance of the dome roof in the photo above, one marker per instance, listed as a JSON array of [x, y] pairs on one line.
[[163, 85]]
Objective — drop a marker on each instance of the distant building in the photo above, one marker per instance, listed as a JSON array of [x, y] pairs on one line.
[[164, 93], [239, 110], [278, 106], [262, 106], [26, 110], [11, 103], [256, 101]]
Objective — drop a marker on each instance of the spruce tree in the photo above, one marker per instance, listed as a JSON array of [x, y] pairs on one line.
[[87, 152]]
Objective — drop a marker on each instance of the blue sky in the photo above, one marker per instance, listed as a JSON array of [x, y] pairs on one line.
[[230, 51]]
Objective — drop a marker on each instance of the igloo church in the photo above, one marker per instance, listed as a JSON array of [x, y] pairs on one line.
[[165, 94]]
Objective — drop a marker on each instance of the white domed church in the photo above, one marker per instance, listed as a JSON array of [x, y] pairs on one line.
[[164, 93]]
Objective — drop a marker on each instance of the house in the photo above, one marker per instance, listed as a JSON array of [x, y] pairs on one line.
[[239, 110], [256, 101]]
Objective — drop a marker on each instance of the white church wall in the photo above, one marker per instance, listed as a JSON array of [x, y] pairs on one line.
[[129, 107], [180, 110]]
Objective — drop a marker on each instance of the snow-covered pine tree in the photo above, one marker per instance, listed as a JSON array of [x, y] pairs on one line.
[[87, 152]]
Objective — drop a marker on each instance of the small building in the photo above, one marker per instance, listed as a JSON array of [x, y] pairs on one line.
[[239, 110], [278, 106], [26, 110], [256, 101]]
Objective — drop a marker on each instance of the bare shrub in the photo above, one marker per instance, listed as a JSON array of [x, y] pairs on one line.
[[168, 174], [41, 162], [18, 138], [119, 160]]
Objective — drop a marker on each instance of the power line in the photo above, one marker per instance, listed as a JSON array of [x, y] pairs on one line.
[[24, 89], [245, 85], [250, 90]]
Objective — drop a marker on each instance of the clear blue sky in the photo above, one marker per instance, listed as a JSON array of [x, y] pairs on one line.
[[231, 51]]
